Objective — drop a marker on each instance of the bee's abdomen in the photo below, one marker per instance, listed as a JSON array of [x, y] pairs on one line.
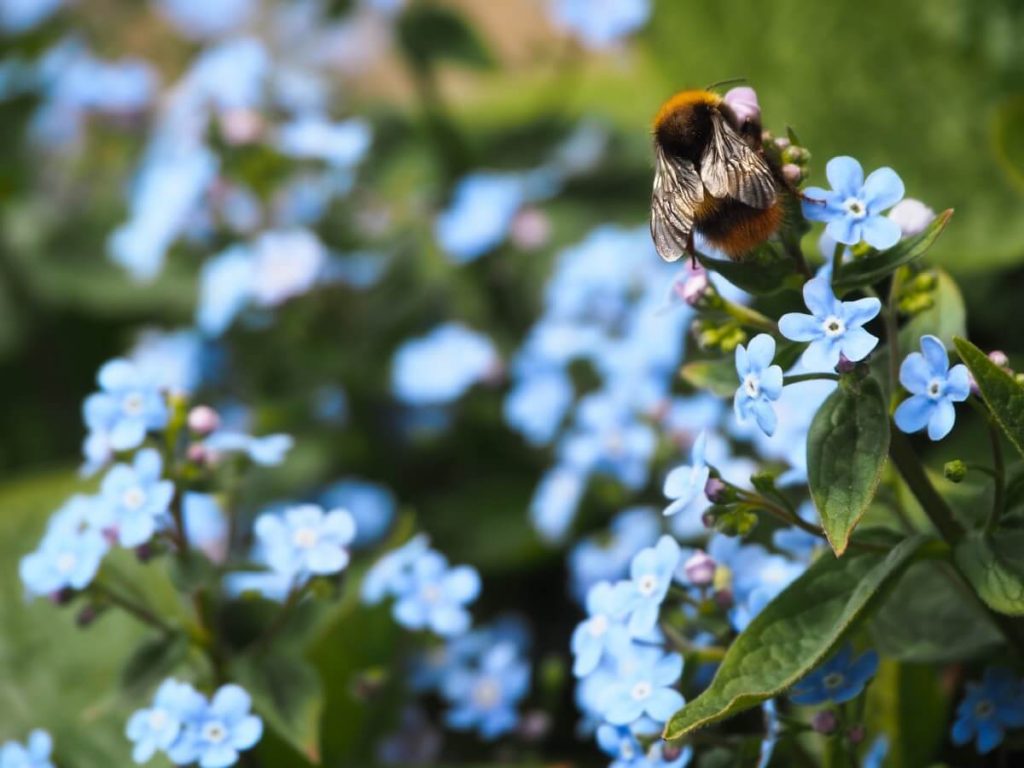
[[734, 227]]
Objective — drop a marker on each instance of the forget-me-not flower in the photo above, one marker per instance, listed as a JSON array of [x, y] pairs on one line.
[[267, 450], [760, 383], [137, 497], [988, 709], [643, 686], [437, 596], [833, 327], [600, 25], [853, 207], [840, 678], [441, 366], [157, 727], [65, 559], [684, 484], [35, 753], [305, 541], [127, 406], [606, 611], [486, 697], [650, 577], [215, 732], [934, 387]]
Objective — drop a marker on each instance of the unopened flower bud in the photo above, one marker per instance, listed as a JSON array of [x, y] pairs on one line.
[[795, 155], [62, 596], [716, 490], [791, 172], [955, 471], [534, 725], [825, 722], [86, 616], [845, 365], [197, 453], [670, 752], [695, 288], [723, 598], [782, 142], [203, 420], [531, 229], [999, 357], [700, 568], [708, 519], [144, 552], [856, 734], [912, 216], [743, 102]]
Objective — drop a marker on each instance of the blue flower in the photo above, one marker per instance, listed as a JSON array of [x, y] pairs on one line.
[[67, 558], [393, 574], [486, 697], [372, 506], [35, 753], [137, 497], [620, 743], [206, 525], [603, 24], [437, 595], [650, 577], [441, 366], [684, 484], [267, 451], [305, 541], [214, 733], [18, 16], [536, 405], [988, 709], [202, 19], [158, 727], [481, 212], [555, 501], [760, 383], [127, 407], [833, 327], [605, 613], [840, 678], [606, 556], [225, 287], [934, 387], [853, 207], [341, 145], [643, 686]]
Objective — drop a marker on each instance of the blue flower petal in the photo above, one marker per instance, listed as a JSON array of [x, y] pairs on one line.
[[942, 420], [845, 175], [765, 416], [797, 326], [742, 361], [935, 354], [856, 313], [761, 351], [819, 298], [771, 382], [821, 355], [883, 188], [880, 232], [958, 383], [915, 374], [844, 230], [913, 414], [857, 344]]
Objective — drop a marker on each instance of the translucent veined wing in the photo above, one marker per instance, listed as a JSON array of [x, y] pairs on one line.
[[677, 191], [730, 168]]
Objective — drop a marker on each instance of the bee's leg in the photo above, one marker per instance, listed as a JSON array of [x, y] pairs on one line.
[[691, 250]]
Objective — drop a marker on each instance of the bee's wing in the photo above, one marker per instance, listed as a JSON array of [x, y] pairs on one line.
[[677, 191], [730, 168]]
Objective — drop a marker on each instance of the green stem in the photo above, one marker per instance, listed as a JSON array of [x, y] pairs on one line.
[[263, 642], [837, 259], [892, 334], [702, 654], [798, 377], [998, 470], [750, 317], [132, 608], [938, 511]]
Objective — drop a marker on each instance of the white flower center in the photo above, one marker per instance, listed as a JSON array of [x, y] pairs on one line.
[[430, 593], [833, 680], [214, 732], [626, 751], [133, 498], [133, 404], [598, 625], [855, 208], [66, 562], [935, 387], [641, 690], [158, 719], [833, 326], [305, 538], [647, 584], [752, 385], [487, 693]]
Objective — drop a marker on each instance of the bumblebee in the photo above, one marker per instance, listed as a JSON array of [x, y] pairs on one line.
[[711, 177]]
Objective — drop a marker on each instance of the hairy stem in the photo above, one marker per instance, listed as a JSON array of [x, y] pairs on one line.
[[798, 377]]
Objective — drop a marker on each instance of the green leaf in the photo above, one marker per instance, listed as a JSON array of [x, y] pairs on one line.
[[764, 271], [993, 563], [871, 269], [794, 633], [1001, 392], [946, 318], [715, 376], [152, 661], [287, 693], [910, 705], [429, 33], [927, 619], [847, 447]]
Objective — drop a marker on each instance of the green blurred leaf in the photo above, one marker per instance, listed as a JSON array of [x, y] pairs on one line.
[[908, 703], [794, 633], [715, 376], [847, 446], [1002, 394], [430, 33], [762, 272], [871, 269], [1008, 138], [287, 692], [994, 565], [946, 318], [930, 617], [152, 661]]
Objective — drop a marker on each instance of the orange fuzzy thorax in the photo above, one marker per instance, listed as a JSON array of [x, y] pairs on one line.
[[685, 99]]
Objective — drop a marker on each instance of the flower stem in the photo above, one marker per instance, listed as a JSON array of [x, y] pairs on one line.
[[938, 511], [750, 317], [798, 377], [998, 470], [892, 334], [129, 606]]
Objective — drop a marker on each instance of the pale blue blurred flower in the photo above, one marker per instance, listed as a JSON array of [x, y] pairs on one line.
[[305, 541], [372, 507], [393, 574], [137, 497], [592, 638], [200, 19], [651, 573], [156, 728], [485, 698], [853, 207], [481, 211], [127, 406], [760, 382], [537, 404], [214, 733], [65, 559], [933, 387], [684, 484], [341, 144], [441, 366], [231, 75], [206, 524], [35, 753], [267, 451], [643, 686], [606, 557], [225, 287], [437, 595], [555, 500], [602, 23], [175, 361]]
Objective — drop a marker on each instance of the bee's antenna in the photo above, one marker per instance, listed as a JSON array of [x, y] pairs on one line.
[[730, 81]]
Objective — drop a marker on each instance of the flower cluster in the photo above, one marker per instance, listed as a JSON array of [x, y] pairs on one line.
[[34, 753]]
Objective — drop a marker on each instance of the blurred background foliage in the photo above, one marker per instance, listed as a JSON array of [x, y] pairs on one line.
[[935, 90]]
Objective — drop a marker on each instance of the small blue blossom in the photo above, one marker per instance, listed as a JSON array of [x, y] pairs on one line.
[[127, 406], [214, 733], [555, 501], [372, 507], [267, 451], [603, 24], [623, 746], [156, 728], [933, 387], [137, 497], [988, 709], [684, 484], [18, 16], [341, 145], [206, 525], [35, 753], [441, 366], [392, 575], [833, 327], [536, 405], [606, 556], [752, 575], [305, 541], [486, 698], [643, 686], [437, 596], [840, 678], [606, 611], [201, 19], [760, 383], [481, 212], [650, 577], [853, 207]]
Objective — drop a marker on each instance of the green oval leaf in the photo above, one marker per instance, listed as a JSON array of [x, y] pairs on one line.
[[871, 269], [1001, 392], [763, 271], [994, 566], [794, 633], [847, 447], [715, 376]]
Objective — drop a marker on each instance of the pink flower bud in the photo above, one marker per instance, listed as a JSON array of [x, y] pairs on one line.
[[743, 101], [715, 489], [912, 216], [999, 357], [700, 568], [531, 229], [203, 420], [844, 365], [197, 453], [856, 734], [825, 722], [792, 173]]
